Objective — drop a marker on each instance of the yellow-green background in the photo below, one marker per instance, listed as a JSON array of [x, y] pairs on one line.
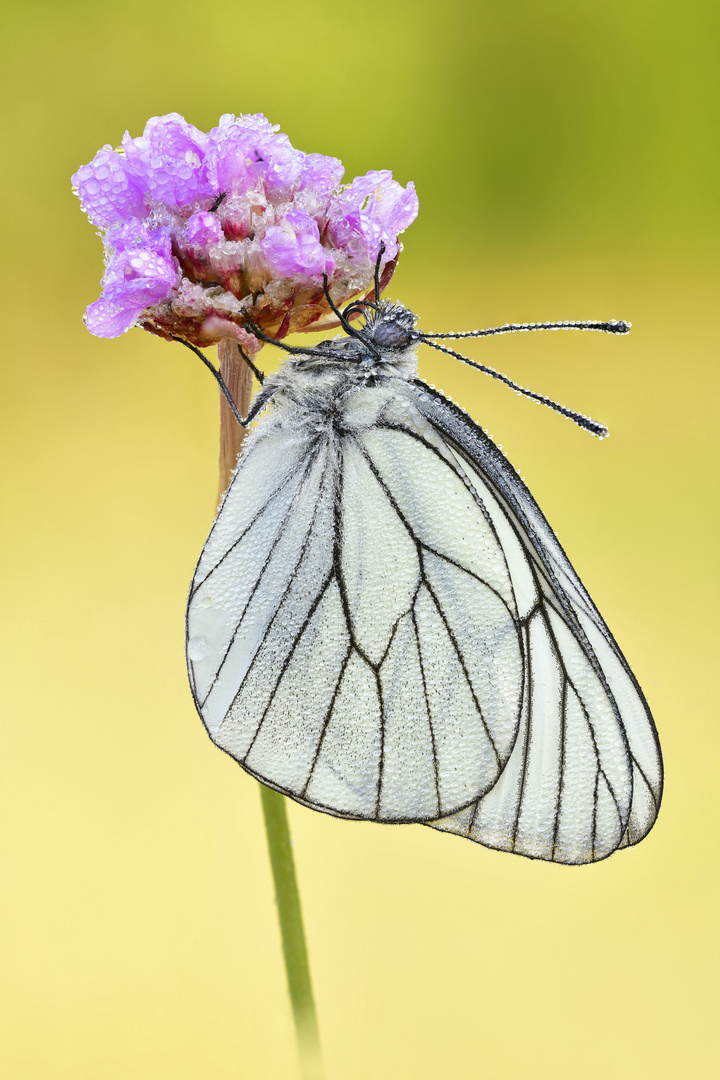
[[566, 158]]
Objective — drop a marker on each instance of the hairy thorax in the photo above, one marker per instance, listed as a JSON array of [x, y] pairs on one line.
[[348, 388]]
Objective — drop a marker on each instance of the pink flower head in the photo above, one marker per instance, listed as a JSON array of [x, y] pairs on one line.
[[203, 231]]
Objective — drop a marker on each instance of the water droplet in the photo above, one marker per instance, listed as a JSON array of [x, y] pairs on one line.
[[197, 648]]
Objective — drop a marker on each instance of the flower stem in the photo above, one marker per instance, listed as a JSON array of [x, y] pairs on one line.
[[293, 934], [238, 378]]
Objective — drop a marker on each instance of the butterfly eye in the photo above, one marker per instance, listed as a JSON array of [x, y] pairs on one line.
[[391, 335]]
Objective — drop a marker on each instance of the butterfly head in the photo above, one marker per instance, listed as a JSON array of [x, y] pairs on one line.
[[391, 327], [387, 339]]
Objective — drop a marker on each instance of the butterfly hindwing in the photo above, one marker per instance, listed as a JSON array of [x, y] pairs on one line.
[[585, 775]]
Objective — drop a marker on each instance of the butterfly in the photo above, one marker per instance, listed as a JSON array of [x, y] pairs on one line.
[[383, 626]]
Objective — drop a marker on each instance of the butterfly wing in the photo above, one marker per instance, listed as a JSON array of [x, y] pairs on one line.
[[353, 632], [585, 775]]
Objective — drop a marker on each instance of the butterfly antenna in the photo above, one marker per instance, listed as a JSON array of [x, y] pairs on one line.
[[358, 305], [336, 310], [612, 326], [218, 377], [579, 418], [346, 325]]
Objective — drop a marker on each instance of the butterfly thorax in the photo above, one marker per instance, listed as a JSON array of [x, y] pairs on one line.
[[346, 377]]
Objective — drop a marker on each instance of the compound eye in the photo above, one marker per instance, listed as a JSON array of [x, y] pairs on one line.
[[391, 335]]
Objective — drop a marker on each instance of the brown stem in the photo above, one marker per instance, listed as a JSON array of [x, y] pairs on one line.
[[238, 379]]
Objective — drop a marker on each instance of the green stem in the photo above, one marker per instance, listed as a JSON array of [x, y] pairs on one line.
[[293, 935]]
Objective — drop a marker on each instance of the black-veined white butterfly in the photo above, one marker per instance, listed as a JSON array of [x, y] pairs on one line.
[[383, 626]]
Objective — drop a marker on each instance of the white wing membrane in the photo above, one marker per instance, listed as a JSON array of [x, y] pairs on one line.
[[371, 530], [346, 776], [382, 625], [245, 576]]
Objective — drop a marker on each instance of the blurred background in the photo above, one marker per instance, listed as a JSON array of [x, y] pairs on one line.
[[566, 160]]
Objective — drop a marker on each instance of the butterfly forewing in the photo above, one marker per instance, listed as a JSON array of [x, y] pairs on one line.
[[349, 644]]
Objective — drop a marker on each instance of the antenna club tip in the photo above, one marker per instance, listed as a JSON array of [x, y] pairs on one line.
[[618, 326]]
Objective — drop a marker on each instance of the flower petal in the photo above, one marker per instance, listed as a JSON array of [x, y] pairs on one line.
[[108, 192], [141, 271], [203, 229], [168, 160]]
